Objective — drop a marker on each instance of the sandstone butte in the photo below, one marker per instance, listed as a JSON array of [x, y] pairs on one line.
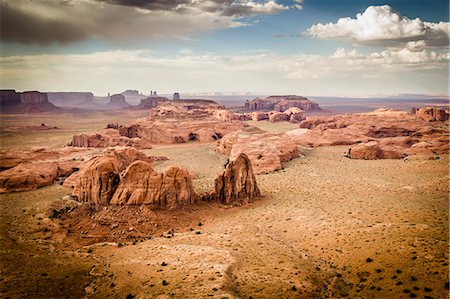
[[127, 178], [382, 134]]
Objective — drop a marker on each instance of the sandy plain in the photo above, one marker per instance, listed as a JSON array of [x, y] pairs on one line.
[[326, 226]]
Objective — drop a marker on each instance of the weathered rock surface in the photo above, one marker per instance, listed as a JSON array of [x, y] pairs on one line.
[[99, 177], [237, 182], [141, 184], [275, 116], [281, 103], [266, 151], [185, 109], [108, 138], [432, 114], [30, 176], [372, 151], [259, 115], [151, 102]]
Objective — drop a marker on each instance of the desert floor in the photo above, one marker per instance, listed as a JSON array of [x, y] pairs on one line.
[[326, 226]]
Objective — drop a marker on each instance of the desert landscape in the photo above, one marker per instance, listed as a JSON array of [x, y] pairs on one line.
[[224, 149], [188, 199]]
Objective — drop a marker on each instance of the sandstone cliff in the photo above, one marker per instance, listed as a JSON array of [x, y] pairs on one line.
[[25, 102]]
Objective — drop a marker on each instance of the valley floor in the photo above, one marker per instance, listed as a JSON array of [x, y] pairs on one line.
[[326, 226]]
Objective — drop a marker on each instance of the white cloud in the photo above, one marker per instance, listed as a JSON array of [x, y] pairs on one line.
[[382, 26]]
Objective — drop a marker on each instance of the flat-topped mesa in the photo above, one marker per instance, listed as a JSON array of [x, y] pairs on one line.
[[22, 102], [237, 182], [281, 103]]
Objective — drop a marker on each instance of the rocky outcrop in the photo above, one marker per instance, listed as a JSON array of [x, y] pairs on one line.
[[381, 134], [108, 138], [151, 102], [259, 115], [128, 178], [281, 103], [266, 151], [277, 117], [430, 114], [373, 150], [229, 116], [25, 102], [167, 131], [176, 96], [237, 182], [185, 109], [141, 184], [99, 177], [32, 175]]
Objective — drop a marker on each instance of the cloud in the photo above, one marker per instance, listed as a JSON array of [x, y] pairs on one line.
[[65, 21], [261, 72], [382, 26]]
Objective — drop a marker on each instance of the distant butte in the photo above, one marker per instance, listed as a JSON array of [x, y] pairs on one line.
[[281, 103], [24, 102]]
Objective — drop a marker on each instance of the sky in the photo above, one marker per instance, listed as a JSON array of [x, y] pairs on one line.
[[350, 48]]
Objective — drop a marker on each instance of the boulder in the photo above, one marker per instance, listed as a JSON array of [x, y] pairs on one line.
[[140, 184], [237, 183]]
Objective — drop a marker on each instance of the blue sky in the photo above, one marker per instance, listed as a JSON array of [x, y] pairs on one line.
[[294, 47]]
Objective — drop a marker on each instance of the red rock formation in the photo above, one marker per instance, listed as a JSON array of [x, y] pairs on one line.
[[281, 103], [395, 133], [237, 182], [372, 151], [229, 116], [278, 116], [266, 151], [98, 178], [108, 138], [30, 176], [258, 115], [140, 184], [430, 114], [184, 130], [151, 102]]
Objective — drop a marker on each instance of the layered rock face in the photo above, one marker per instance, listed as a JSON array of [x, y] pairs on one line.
[[281, 103], [151, 102], [383, 134], [237, 182], [141, 184], [108, 138], [185, 109], [266, 151], [432, 114], [25, 102]]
